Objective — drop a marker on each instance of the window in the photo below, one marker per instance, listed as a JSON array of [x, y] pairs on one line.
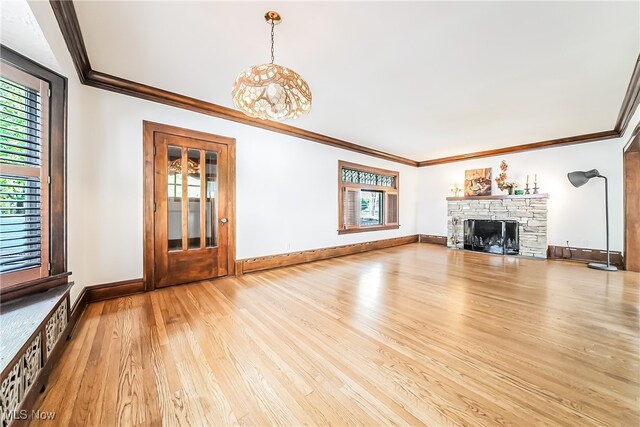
[[368, 198], [24, 237], [32, 201]]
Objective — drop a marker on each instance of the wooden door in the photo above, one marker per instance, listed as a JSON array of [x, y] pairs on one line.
[[632, 205], [192, 207]]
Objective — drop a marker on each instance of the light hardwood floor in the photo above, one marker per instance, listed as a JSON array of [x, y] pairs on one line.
[[414, 335]]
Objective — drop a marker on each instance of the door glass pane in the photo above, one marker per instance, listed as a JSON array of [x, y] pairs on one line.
[[370, 207], [211, 169], [193, 191], [174, 197]]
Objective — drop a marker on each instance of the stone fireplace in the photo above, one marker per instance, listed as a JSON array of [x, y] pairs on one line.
[[520, 218]]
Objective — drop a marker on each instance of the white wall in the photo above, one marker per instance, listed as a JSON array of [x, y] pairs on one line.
[[291, 182], [286, 187], [576, 215]]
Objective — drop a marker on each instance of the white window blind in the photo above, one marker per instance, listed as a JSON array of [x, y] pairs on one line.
[[23, 172]]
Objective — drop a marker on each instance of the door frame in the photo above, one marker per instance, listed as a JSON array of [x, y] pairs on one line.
[[631, 242], [149, 131]]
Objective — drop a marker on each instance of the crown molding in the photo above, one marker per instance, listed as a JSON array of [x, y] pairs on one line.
[[67, 19], [630, 101], [65, 14], [590, 137]]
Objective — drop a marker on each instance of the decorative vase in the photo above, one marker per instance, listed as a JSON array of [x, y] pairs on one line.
[[510, 190]]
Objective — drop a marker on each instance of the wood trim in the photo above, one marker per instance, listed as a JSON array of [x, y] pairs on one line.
[[37, 285], [634, 142], [57, 161], [64, 11], [185, 199], [364, 168], [630, 101], [148, 166], [368, 229], [504, 196], [77, 310], [114, 290], [436, 240], [250, 265], [552, 143], [65, 14], [231, 211], [584, 255], [631, 203]]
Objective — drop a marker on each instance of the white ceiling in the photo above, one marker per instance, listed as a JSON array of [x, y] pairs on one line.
[[16, 21], [417, 79]]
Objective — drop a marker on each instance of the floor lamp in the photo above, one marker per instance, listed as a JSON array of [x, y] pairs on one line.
[[578, 179]]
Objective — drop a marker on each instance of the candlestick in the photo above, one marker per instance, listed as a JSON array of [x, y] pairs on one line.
[[527, 179]]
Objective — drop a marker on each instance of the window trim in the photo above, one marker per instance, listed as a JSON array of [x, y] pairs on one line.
[[57, 208], [342, 186]]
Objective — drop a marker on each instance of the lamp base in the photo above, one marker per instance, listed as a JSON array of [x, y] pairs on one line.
[[605, 267]]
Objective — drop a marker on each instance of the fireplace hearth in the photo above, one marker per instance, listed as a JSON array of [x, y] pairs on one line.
[[492, 236]]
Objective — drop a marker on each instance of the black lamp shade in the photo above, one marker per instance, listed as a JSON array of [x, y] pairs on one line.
[[580, 178]]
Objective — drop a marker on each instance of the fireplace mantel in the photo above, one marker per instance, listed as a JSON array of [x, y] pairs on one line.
[[503, 196]]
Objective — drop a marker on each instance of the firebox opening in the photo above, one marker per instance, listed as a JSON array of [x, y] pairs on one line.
[[497, 237]]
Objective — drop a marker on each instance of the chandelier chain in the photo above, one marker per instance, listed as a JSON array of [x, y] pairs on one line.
[[272, 25]]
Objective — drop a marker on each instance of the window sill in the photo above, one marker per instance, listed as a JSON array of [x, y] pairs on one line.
[[34, 286], [365, 229]]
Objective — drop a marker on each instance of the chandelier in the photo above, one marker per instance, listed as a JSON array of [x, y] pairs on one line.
[[175, 167], [271, 91]]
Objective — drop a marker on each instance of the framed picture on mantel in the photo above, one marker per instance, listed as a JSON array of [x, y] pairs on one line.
[[477, 182]]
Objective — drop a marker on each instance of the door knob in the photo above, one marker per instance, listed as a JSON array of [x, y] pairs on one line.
[[224, 220]]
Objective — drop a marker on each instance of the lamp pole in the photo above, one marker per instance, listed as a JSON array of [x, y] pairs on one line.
[[580, 178], [606, 213]]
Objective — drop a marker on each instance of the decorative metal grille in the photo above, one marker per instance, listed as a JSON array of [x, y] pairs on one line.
[[368, 178], [31, 363], [55, 326], [10, 395]]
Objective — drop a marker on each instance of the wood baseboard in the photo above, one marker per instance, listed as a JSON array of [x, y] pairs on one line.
[[436, 240], [251, 265], [77, 310], [584, 255], [113, 290]]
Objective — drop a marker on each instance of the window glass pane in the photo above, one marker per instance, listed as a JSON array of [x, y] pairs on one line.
[[193, 191], [367, 178], [174, 197], [20, 191], [371, 207], [20, 233], [20, 124], [211, 170]]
